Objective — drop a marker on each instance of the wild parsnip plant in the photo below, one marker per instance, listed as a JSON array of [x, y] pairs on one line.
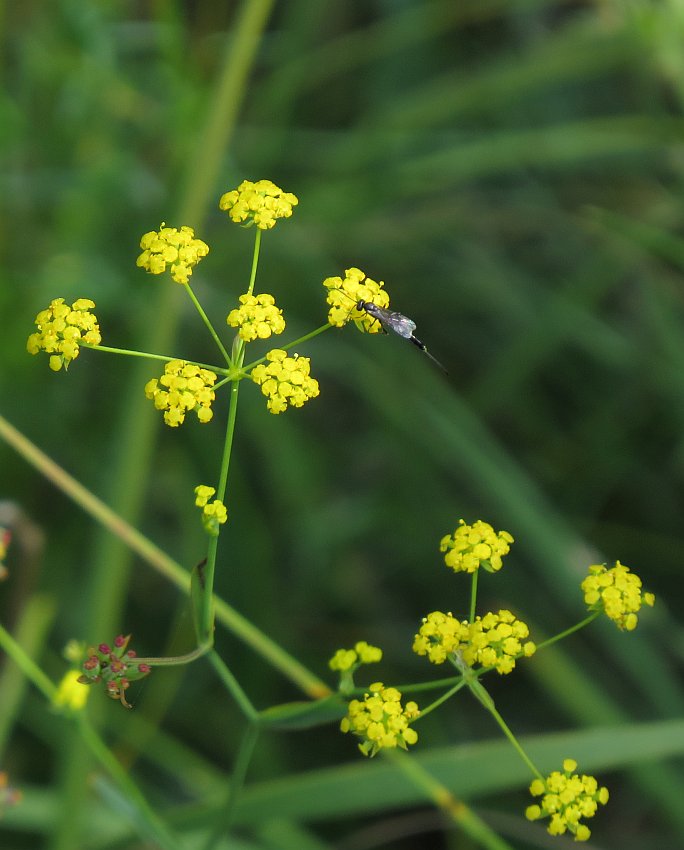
[[382, 717]]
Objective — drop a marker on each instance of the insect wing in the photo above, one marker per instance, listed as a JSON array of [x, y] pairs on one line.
[[396, 322]]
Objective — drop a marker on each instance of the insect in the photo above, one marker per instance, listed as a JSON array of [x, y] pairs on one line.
[[400, 324]]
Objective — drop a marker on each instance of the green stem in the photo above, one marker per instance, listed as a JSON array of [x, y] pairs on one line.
[[151, 554], [175, 660], [130, 353], [482, 695], [255, 261], [289, 345], [575, 628], [456, 688], [27, 665], [209, 325], [456, 810], [234, 687], [207, 616], [473, 596], [237, 782]]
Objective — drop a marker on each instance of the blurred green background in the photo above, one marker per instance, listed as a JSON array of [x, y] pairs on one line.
[[513, 170]]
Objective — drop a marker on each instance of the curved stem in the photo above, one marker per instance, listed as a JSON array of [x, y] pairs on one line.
[[175, 660], [151, 554]]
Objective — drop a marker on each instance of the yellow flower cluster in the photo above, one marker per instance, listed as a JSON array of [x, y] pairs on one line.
[[495, 640], [285, 381], [363, 653], [257, 318], [566, 799], [344, 294], [261, 203], [439, 636], [61, 329], [214, 514], [616, 592], [174, 247], [380, 720], [182, 387], [474, 546]]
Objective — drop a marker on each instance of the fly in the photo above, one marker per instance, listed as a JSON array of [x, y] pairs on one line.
[[399, 324]]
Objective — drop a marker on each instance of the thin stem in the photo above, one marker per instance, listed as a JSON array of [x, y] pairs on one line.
[[237, 782], [255, 260], [575, 628], [27, 665], [511, 737], [208, 323], [289, 345], [151, 554], [175, 660], [146, 355], [456, 688], [473, 596], [234, 687], [207, 615]]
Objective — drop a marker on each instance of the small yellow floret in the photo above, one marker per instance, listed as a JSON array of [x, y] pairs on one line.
[[363, 653], [617, 592], [473, 546], [261, 203], [285, 380], [344, 295], [257, 318], [61, 329], [380, 720], [182, 387], [174, 247], [495, 640], [566, 798]]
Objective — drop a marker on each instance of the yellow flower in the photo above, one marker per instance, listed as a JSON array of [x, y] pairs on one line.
[[173, 247], [202, 494], [380, 720], [257, 318], [285, 380], [214, 514], [495, 640], [474, 546], [567, 798], [61, 329], [182, 387], [363, 653], [71, 693], [344, 294], [439, 636], [616, 592], [261, 203]]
